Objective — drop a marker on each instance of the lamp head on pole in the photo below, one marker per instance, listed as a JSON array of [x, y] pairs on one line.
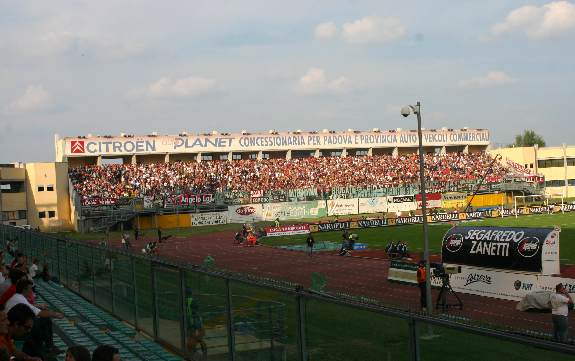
[[406, 110]]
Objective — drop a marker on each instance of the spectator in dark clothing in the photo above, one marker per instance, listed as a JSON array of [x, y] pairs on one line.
[[78, 353], [310, 243], [20, 322], [106, 353]]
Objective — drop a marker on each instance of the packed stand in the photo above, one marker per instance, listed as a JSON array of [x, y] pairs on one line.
[[105, 185]]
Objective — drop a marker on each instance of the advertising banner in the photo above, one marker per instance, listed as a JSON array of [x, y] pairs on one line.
[[208, 219], [287, 230], [294, 210], [340, 207], [372, 223], [191, 199], [444, 217], [401, 204], [496, 247], [245, 214], [433, 200], [453, 200], [373, 205], [334, 226]]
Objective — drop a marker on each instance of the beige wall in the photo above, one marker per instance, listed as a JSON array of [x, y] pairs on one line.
[[11, 203], [57, 201]]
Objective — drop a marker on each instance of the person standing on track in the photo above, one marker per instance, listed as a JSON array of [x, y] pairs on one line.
[[310, 242], [560, 302], [421, 284]]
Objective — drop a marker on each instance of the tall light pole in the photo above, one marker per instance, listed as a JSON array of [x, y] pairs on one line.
[[406, 111]]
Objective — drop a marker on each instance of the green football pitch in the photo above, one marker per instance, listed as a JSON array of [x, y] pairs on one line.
[[378, 238]]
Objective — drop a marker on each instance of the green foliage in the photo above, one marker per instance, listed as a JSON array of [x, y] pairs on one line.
[[528, 139]]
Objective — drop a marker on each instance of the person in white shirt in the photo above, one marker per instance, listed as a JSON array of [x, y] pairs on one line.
[[560, 302], [33, 270], [41, 338]]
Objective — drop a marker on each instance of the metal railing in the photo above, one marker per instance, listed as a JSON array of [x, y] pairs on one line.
[[196, 309]]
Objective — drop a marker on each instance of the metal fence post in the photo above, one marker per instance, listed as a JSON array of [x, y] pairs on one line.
[[302, 343], [154, 302], [93, 271], [231, 337], [58, 260], [413, 340], [135, 290], [183, 305], [112, 294]]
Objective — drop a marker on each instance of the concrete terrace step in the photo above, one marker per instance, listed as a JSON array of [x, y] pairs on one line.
[[87, 325]]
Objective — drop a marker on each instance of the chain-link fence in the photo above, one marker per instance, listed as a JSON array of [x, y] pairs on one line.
[[205, 313]]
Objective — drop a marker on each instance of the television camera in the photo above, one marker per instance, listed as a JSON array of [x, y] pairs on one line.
[[443, 272]]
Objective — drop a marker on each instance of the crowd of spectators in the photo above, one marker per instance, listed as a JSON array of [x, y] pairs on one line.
[[107, 184], [23, 319]]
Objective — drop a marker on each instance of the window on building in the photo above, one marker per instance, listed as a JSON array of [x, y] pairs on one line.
[[254, 156], [50, 188], [531, 165], [265, 156], [41, 215], [40, 188], [550, 163], [12, 187], [334, 153], [225, 157], [236, 156], [361, 152], [22, 214], [571, 182], [571, 162], [206, 157], [51, 214]]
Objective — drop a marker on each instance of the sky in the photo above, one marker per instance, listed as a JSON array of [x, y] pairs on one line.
[[138, 66]]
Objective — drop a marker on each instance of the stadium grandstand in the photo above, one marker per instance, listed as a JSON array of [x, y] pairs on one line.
[[138, 302]]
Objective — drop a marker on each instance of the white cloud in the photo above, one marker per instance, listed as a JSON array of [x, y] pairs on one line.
[[36, 98], [325, 30], [373, 29], [315, 81], [539, 22], [167, 87], [491, 79]]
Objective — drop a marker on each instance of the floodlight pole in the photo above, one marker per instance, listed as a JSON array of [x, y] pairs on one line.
[[417, 110], [429, 307]]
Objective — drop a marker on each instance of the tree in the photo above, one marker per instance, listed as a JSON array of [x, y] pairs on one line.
[[528, 139]]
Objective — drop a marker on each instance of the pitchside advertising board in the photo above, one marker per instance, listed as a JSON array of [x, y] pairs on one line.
[[287, 230], [208, 218], [516, 249], [486, 282]]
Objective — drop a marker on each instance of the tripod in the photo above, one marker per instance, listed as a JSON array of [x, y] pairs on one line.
[[445, 291]]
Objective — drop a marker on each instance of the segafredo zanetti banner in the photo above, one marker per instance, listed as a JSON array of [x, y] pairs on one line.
[[519, 249]]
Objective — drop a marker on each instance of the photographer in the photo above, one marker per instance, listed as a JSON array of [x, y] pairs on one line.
[[421, 284], [560, 302]]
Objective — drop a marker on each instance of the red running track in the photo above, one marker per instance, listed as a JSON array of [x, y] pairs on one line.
[[359, 276]]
